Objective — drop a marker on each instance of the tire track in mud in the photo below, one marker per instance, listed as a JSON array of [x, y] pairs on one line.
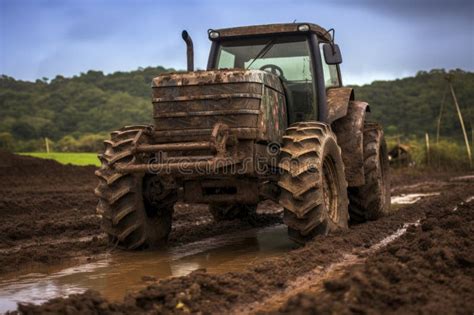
[[320, 280], [315, 279], [429, 269]]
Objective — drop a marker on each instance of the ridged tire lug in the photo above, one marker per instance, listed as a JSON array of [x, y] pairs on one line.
[[372, 200], [126, 217], [305, 147]]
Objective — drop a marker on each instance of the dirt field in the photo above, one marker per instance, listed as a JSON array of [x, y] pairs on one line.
[[418, 260]]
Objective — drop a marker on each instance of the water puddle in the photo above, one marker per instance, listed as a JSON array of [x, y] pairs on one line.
[[122, 272], [465, 178], [406, 199]]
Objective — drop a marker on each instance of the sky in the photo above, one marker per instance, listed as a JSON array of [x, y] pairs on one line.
[[379, 39]]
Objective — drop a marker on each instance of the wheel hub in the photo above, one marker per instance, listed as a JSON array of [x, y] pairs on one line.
[[153, 190]]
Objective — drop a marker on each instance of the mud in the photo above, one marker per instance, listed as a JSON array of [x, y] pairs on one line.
[[42, 201], [432, 259], [47, 215], [429, 270], [123, 272]]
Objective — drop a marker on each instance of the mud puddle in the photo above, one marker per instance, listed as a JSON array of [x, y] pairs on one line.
[[122, 272], [119, 272]]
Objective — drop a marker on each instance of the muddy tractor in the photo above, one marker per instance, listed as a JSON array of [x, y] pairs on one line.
[[268, 119]]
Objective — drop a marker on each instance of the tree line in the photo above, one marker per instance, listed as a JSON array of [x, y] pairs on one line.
[[77, 113], [410, 106]]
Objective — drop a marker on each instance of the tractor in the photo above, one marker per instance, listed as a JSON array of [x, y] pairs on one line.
[[268, 119]]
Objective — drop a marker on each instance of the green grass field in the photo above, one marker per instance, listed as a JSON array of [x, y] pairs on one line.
[[67, 158]]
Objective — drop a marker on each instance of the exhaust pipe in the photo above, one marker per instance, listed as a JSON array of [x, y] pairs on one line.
[[189, 50]]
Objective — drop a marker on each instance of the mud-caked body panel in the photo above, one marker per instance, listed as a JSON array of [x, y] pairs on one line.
[[338, 102], [349, 131], [186, 106], [218, 124]]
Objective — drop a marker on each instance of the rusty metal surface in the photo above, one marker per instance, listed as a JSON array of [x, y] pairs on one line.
[[164, 136], [196, 119], [250, 102], [180, 168], [271, 29], [171, 92], [273, 120], [210, 77], [208, 113], [349, 132], [338, 100], [206, 97], [189, 50], [221, 144], [188, 146]]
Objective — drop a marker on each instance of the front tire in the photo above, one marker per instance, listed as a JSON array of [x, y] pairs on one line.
[[131, 221], [312, 182], [372, 200]]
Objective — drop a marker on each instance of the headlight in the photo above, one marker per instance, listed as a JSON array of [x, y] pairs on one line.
[[213, 35], [303, 27]]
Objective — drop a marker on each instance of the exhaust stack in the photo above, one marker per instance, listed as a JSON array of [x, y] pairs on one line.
[[189, 50]]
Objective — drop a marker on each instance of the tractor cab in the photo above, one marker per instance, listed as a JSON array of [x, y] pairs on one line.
[[303, 56]]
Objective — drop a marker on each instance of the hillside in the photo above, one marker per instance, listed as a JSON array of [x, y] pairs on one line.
[[411, 106], [75, 112]]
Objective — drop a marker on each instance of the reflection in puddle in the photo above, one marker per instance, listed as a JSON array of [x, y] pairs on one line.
[[123, 272]]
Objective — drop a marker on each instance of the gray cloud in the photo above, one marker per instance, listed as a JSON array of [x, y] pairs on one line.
[[419, 9]]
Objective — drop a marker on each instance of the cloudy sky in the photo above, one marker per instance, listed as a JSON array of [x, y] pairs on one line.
[[383, 39]]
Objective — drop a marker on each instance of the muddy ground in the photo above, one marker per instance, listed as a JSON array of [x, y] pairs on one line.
[[48, 215]]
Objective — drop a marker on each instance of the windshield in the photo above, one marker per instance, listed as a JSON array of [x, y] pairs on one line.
[[287, 57]]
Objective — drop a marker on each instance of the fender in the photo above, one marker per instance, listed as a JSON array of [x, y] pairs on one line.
[[338, 100], [349, 131]]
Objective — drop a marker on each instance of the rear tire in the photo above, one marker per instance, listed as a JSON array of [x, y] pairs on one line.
[[372, 200], [312, 182], [232, 212], [129, 220]]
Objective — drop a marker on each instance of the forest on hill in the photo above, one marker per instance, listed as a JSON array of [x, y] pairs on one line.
[[76, 113], [411, 106]]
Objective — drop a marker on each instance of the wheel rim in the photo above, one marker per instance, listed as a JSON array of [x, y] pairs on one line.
[[330, 189], [153, 195]]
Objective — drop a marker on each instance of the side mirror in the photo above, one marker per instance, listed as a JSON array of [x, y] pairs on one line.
[[332, 54]]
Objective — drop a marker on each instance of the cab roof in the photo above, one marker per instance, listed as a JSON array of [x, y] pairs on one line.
[[253, 30]]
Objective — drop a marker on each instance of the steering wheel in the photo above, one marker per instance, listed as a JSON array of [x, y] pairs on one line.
[[273, 69]]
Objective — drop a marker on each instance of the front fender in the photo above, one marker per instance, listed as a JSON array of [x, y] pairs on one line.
[[338, 100]]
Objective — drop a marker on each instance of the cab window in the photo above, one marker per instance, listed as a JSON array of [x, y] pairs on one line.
[[287, 57]]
